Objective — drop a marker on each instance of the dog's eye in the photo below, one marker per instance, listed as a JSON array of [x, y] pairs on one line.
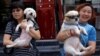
[[70, 16], [77, 15]]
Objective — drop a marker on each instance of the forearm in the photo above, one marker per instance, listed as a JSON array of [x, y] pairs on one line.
[[93, 44], [92, 50], [7, 42], [61, 36], [34, 33]]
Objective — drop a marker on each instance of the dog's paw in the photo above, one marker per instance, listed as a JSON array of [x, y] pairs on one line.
[[29, 26], [9, 46], [17, 27], [27, 29], [82, 30]]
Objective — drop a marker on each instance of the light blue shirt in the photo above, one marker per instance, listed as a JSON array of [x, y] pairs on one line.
[[91, 34]]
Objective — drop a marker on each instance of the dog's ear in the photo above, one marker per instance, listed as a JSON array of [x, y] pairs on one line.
[[24, 16], [66, 18]]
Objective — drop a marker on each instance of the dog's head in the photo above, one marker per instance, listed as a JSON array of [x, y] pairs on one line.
[[30, 13], [71, 16]]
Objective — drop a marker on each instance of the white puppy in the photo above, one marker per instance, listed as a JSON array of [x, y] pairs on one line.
[[25, 38], [72, 45]]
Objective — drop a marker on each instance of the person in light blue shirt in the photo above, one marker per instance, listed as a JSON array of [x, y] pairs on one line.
[[86, 13]]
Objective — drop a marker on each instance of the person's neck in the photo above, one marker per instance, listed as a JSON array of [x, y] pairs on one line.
[[20, 20], [82, 23]]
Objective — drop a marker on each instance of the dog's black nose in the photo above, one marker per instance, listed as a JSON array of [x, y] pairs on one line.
[[76, 19], [30, 13]]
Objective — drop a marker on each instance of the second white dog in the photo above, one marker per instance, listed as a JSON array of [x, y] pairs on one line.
[[72, 45]]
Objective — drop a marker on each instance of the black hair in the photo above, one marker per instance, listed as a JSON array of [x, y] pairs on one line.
[[16, 4]]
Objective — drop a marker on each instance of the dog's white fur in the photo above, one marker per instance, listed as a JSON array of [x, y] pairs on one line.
[[72, 45], [25, 38]]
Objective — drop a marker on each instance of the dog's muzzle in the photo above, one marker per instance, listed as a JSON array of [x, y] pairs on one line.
[[31, 14]]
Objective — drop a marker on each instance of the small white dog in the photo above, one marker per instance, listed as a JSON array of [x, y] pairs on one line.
[[25, 38], [72, 45]]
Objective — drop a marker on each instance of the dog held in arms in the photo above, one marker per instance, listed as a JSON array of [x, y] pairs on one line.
[[25, 38], [72, 45]]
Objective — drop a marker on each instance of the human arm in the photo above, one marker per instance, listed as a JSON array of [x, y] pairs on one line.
[[92, 49], [92, 42], [62, 35], [7, 39], [33, 31], [7, 35]]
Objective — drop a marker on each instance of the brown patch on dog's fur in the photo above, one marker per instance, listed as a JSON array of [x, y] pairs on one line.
[[66, 18]]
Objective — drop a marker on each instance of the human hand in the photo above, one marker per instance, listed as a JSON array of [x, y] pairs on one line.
[[71, 32], [89, 50], [24, 24]]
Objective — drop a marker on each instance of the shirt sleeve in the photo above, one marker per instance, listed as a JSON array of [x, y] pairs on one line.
[[92, 34], [8, 29], [35, 25]]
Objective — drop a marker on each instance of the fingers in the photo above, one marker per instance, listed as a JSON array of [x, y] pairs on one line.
[[24, 20], [24, 24], [70, 33]]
